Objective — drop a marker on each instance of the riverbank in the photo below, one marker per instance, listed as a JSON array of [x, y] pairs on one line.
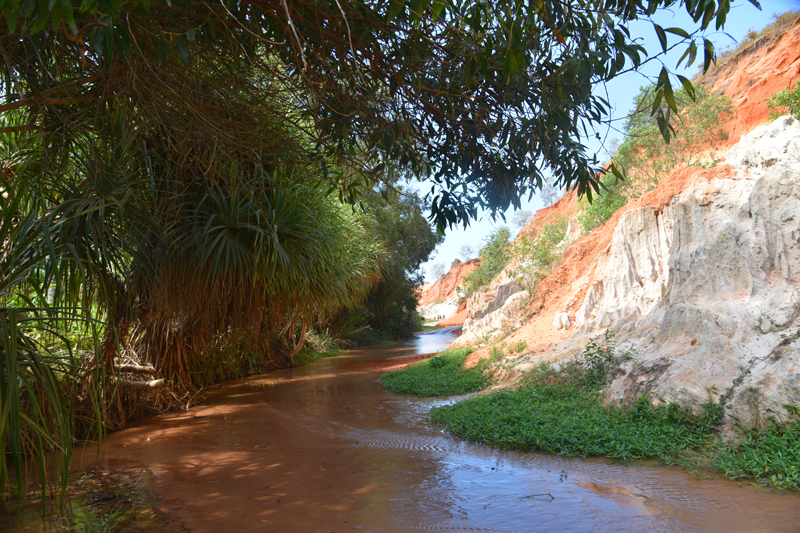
[[561, 410], [326, 447]]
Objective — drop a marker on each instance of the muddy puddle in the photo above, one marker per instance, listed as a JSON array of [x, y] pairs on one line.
[[324, 448]]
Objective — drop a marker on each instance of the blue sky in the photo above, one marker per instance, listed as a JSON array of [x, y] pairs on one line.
[[742, 18]]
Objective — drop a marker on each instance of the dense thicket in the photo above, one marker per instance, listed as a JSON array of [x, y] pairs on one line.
[[396, 218]]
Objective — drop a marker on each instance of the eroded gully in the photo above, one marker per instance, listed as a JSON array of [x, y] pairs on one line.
[[325, 448]]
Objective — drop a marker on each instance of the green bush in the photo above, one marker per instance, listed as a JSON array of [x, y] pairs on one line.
[[697, 129], [442, 375], [785, 102], [495, 255], [540, 252], [602, 207]]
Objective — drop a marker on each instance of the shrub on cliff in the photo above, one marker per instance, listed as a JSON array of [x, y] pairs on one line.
[[697, 130], [494, 256], [644, 156], [603, 205], [785, 102], [540, 251]]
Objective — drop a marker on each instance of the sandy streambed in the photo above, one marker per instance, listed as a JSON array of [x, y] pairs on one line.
[[325, 448]]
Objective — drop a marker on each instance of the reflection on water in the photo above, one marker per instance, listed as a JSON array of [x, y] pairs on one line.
[[325, 448]]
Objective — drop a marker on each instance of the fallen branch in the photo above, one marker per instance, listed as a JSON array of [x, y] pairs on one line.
[[136, 369], [154, 384]]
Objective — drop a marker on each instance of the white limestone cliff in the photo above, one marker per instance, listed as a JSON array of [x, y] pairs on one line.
[[707, 291]]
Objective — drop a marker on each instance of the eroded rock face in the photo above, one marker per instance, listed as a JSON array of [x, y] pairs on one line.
[[442, 298], [633, 273], [508, 316], [708, 291], [493, 297], [561, 321]]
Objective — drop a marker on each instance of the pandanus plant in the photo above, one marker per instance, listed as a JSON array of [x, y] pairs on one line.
[[116, 246]]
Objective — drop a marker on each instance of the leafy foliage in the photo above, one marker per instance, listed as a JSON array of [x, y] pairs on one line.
[[442, 375], [485, 102], [540, 250], [494, 256], [202, 279], [646, 159], [562, 411], [603, 205], [784, 102], [394, 218], [41, 377], [696, 129], [765, 455]]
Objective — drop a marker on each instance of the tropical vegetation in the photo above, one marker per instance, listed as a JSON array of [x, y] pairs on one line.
[[644, 158], [181, 180], [494, 257]]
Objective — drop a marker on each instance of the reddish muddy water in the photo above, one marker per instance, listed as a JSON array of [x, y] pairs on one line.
[[324, 448]]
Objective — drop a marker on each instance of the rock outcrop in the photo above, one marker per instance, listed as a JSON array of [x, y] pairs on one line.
[[699, 279], [507, 317], [712, 297], [442, 298], [498, 304]]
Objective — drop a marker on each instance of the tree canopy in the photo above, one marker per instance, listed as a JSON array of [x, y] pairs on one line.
[[481, 99]]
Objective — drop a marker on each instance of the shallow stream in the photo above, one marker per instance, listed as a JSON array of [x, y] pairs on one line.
[[324, 448]]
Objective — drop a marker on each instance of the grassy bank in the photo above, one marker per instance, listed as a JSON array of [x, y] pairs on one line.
[[769, 456], [442, 375], [569, 419], [561, 411]]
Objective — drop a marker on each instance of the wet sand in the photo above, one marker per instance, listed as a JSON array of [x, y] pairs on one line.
[[325, 448]]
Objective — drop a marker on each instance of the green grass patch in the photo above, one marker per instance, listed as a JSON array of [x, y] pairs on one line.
[[561, 411], [442, 375], [564, 419], [431, 328], [768, 455]]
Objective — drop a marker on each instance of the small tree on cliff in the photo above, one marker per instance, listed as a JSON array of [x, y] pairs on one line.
[[438, 270], [786, 101], [696, 131], [495, 255]]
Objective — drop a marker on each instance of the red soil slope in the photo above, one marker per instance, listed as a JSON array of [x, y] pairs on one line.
[[768, 65], [564, 207], [445, 287]]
